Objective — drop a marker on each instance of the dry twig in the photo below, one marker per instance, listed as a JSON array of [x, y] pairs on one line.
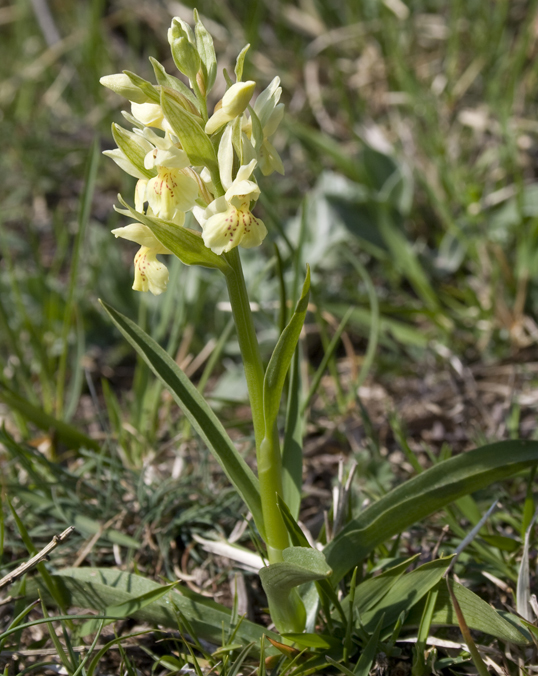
[[38, 558]]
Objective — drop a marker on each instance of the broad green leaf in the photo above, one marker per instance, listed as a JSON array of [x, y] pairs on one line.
[[423, 495], [167, 80], [279, 363], [300, 565], [197, 411], [188, 129], [149, 90], [370, 651], [240, 62], [298, 539], [406, 592], [466, 633], [64, 433], [134, 148], [100, 588], [371, 591], [478, 615], [206, 49], [184, 243], [128, 608], [317, 641]]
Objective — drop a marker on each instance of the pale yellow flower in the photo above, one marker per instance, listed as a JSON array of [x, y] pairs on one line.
[[173, 191], [151, 115], [228, 221], [234, 104], [150, 274]]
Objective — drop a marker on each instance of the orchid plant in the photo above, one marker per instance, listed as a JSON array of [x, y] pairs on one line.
[[187, 161]]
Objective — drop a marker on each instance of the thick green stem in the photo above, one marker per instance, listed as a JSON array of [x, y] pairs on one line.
[[248, 342], [270, 476], [267, 443]]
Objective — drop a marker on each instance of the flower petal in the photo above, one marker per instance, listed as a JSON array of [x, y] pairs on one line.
[[121, 160], [150, 114], [233, 227], [150, 274], [270, 159], [222, 232], [141, 234], [254, 230], [226, 157], [171, 192]]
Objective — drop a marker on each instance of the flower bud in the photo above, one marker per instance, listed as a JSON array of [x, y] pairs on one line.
[[122, 85], [234, 103], [185, 54]]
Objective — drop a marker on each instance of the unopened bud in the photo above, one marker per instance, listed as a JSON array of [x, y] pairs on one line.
[[184, 52], [234, 103], [122, 85]]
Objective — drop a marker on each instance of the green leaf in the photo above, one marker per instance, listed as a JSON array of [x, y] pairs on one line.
[[149, 90], [197, 410], [300, 565], [425, 494], [371, 591], [406, 592], [101, 588], [419, 661], [132, 147], [188, 129], [240, 62], [370, 651], [279, 363], [298, 539], [64, 433], [206, 49], [292, 448], [184, 243], [167, 80], [317, 641], [466, 633], [127, 608]]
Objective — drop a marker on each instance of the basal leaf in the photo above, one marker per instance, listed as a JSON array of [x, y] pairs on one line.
[[423, 495], [101, 588], [279, 580], [127, 608], [478, 614], [406, 592]]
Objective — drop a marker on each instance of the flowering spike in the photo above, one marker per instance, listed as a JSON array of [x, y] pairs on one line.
[[181, 167]]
